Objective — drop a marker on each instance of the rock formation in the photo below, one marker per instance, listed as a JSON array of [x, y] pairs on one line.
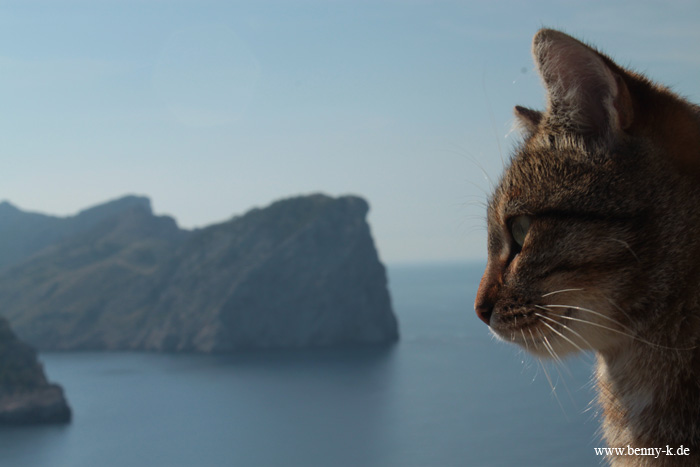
[[26, 397], [301, 272]]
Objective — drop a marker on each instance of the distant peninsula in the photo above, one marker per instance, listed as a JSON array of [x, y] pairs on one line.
[[302, 272]]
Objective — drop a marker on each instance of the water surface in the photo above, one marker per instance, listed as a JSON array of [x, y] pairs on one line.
[[447, 395]]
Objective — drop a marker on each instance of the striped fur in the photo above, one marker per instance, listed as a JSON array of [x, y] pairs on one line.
[[609, 175]]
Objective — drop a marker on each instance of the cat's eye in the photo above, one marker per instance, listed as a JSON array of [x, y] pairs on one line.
[[518, 228]]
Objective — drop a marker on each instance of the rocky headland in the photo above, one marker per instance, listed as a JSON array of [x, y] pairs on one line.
[[26, 397], [301, 272]]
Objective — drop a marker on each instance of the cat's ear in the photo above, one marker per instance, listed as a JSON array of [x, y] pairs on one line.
[[528, 119], [585, 93]]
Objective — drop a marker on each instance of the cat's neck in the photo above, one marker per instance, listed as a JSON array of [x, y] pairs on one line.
[[650, 398]]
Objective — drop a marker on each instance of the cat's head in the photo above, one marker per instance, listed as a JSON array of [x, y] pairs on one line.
[[582, 225]]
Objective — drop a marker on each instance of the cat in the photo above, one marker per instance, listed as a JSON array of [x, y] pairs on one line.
[[594, 244]]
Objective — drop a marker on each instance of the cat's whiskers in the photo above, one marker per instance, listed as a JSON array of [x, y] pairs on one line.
[[558, 362], [534, 342], [544, 369], [596, 313], [566, 328], [558, 333], [629, 334], [550, 349], [480, 188], [627, 246], [524, 339], [619, 308], [561, 291], [473, 159], [545, 342]]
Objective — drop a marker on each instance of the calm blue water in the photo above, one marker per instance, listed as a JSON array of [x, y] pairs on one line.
[[446, 395]]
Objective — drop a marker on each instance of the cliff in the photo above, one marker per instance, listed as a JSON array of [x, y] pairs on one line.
[[26, 397], [301, 272]]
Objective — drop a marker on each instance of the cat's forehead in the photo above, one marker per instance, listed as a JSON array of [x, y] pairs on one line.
[[546, 173]]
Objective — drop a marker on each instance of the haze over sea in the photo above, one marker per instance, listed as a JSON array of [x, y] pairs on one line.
[[446, 395]]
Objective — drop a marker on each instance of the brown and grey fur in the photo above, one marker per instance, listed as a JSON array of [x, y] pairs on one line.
[[609, 174]]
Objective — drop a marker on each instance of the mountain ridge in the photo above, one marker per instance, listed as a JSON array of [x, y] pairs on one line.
[[24, 233]]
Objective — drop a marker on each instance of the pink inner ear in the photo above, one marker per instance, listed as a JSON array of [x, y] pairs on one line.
[[581, 88]]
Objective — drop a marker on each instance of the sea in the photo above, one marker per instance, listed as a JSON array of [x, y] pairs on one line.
[[447, 394]]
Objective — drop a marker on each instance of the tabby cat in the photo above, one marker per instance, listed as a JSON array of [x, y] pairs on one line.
[[594, 244]]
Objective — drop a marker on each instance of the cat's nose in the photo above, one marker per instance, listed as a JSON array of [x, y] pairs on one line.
[[487, 294], [484, 311]]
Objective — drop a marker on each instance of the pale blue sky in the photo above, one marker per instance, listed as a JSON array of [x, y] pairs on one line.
[[212, 107]]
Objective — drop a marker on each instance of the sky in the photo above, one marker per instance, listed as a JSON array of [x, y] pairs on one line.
[[211, 108]]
